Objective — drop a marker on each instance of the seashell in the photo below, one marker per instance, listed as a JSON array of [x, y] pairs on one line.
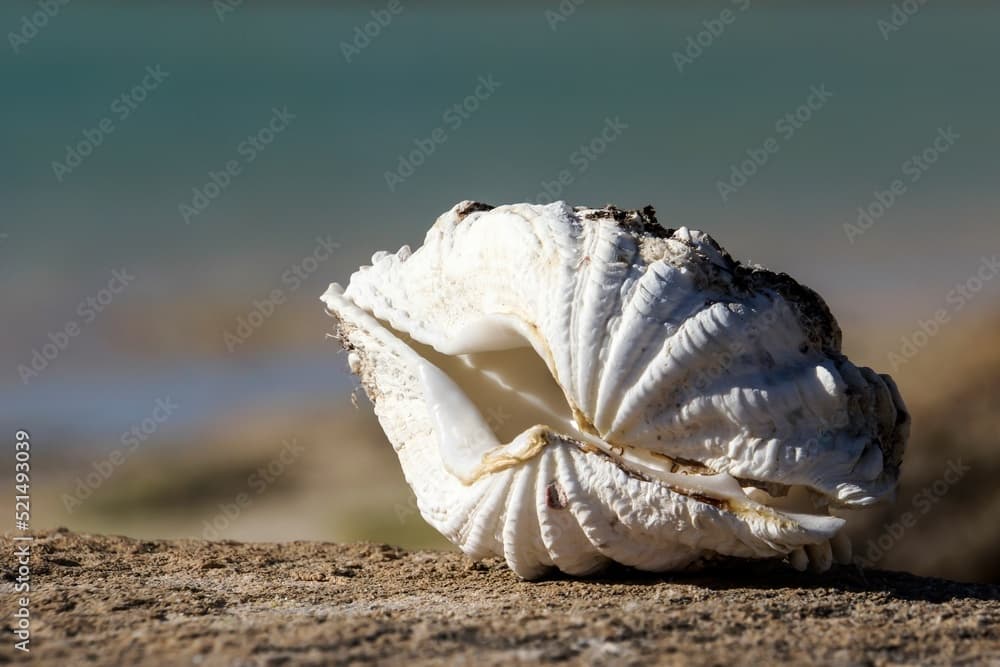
[[567, 387]]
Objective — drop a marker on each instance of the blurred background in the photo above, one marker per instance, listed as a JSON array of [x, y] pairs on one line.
[[181, 181]]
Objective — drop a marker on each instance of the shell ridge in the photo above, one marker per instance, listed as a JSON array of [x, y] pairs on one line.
[[679, 359], [569, 547], [590, 240], [558, 320], [553, 527], [611, 266], [522, 541], [636, 347], [598, 511], [481, 539]]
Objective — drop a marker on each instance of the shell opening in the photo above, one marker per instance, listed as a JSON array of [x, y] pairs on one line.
[[491, 396]]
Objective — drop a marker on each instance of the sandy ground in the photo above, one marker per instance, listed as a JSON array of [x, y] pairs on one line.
[[119, 601]]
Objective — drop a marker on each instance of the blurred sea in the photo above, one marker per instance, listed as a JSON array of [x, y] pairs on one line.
[[323, 175]]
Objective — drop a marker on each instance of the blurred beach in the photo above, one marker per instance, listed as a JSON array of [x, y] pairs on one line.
[[180, 183]]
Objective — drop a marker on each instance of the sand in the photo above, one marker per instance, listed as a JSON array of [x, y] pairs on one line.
[[107, 600]]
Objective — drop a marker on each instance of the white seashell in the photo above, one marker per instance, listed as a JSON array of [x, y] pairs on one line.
[[569, 387]]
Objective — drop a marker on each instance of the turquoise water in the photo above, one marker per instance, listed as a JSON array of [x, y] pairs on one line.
[[324, 172]]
